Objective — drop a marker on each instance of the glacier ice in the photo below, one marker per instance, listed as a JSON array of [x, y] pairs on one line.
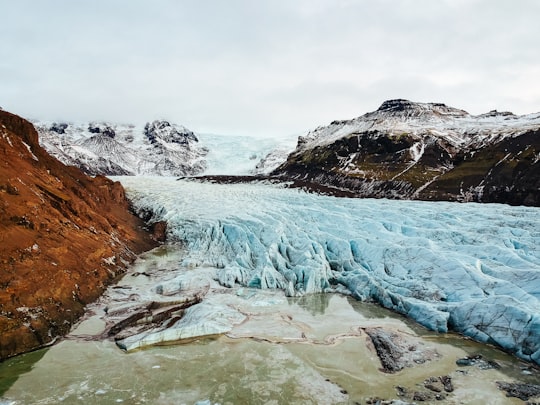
[[474, 268], [204, 319], [243, 155]]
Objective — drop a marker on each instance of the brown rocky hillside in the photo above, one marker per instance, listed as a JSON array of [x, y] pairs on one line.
[[63, 237]]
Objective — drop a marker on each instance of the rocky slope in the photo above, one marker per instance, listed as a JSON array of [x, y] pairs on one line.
[[426, 151], [158, 148], [63, 237]]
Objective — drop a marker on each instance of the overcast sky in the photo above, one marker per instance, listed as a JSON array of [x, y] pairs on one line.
[[264, 67]]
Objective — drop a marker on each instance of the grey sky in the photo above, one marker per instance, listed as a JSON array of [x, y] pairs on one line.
[[273, 67]]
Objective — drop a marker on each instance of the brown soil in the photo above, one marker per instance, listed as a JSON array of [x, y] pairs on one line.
[[63, 237]]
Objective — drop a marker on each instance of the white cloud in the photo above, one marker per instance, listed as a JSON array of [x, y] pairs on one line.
[[267, 67]]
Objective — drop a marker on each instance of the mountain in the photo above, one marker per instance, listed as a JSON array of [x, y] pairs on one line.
[[158, 148], [426, 151], [63, 237]]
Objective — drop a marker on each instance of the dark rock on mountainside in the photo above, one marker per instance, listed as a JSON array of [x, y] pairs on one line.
[[168, 133], [63, 237], [96, 128], [59, 127], [426, 151]]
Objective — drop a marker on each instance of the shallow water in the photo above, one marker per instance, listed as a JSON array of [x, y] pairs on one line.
[[307, 350]]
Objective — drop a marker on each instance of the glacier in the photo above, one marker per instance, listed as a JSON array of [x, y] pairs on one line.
[[471, 268], [244, 155]]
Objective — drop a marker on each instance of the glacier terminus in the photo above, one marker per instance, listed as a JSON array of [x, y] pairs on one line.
[[471, 268]]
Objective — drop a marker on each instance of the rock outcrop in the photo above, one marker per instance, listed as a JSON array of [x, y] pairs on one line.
[[425, 151], [63, 237]]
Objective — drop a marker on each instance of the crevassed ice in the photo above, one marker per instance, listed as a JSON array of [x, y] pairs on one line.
[[474, 268]]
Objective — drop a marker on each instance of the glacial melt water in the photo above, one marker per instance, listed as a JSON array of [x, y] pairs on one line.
[[264, 335], [467, 267]]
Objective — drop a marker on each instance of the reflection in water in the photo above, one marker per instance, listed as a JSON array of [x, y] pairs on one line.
[[315, 304], [11, 369]]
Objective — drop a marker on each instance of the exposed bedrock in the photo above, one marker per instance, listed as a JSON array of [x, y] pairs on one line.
[[63, 237]]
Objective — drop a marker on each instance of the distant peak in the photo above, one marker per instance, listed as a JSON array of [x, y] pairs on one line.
[[100, 128], [495, 113], [398, 104], [168, 132], [401, 107]]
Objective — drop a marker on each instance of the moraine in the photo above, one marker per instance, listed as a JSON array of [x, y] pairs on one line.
[[259, 255]]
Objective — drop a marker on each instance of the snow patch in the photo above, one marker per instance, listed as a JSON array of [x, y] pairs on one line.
[[30, 151], [417, 150], [6, 137]]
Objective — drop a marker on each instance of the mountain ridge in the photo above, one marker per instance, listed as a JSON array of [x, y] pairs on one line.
[[427, 151], [402, 150], [101, 148]]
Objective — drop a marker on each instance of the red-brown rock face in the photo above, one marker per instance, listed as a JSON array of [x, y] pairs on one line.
[[63, 237]]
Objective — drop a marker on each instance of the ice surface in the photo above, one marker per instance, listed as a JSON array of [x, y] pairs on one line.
[[243, 155], [203, 319], [474, 268]]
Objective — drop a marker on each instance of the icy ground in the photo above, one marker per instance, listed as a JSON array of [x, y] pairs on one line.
[[466, 267], [244, 155]]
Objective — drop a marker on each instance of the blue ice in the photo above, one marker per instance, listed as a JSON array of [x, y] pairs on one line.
[[473, 268]]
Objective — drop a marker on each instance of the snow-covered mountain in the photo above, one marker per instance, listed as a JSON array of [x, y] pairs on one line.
[[425, 151], [158, 148], [402, 117], [403, 150]]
